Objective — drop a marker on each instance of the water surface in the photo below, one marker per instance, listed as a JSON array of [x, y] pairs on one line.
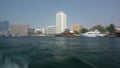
[[59, 52]]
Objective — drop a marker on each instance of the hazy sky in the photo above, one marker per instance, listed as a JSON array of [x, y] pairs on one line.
[[42, 13]]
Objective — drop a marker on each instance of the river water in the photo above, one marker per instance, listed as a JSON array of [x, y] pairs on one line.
[[59, 52]]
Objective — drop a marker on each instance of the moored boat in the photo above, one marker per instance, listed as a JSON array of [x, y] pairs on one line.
[[93, 34], [117, 33], [66, 33]]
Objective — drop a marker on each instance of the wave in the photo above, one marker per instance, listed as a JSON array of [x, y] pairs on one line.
[[12, 61], [71, 62]]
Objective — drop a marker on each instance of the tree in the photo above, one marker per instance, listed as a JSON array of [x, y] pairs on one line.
[[111, 28], [76, 32], [100, 28], [84, 30]]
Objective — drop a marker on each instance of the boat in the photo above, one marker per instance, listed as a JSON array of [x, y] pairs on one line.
[[66, 33], [95, 33], [117, 33]]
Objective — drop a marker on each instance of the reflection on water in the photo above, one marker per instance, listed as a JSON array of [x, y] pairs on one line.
[[59, 52], [61, 42]]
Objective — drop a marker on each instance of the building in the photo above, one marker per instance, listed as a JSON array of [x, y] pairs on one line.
[[43, 31], [4, 26], [31, 31], [50, 30], [118, 28], [21, 29], [76, 27], [40, 32], [60, 22], [36, 32]]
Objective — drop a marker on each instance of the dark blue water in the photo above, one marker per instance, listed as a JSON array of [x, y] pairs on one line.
[[59, 52]]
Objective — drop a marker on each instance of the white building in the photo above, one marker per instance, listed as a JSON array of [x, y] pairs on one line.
[[43, 30], [50, 30], [38, 30], [61, 22]]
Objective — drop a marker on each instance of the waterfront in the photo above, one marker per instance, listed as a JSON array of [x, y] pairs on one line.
[[59, 52]]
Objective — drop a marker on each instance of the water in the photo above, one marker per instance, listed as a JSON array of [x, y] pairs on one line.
[[59, 52]]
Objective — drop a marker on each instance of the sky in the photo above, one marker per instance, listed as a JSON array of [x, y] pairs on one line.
[[42, 13]]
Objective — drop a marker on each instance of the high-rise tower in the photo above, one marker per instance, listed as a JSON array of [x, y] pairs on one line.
[[60, 22]]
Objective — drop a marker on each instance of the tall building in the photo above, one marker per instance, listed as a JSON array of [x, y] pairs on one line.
[[50, 30], [61, 22], [4, 26], [21, 29], [76, 27]]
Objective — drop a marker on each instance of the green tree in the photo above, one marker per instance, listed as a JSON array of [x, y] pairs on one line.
[[76, 32], [84, 30], [100, 28], [111, 28]]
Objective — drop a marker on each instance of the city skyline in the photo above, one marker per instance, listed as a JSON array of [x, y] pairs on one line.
[[41, 13]]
